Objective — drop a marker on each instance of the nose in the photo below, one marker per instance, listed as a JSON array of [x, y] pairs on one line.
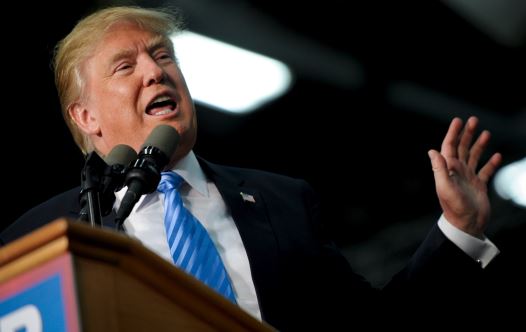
[[153, 72]]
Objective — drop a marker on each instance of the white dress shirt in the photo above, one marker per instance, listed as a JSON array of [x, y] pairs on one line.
[[201, 197]]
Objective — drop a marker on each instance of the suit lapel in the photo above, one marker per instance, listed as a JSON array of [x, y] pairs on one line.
[[250, 215]]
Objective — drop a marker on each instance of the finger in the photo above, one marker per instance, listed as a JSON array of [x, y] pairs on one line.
[[450, 142], [491, 166], [466, 137], [439, 165], [478, 149]]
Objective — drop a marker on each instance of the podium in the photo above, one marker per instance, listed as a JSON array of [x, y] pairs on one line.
[[67, 276]]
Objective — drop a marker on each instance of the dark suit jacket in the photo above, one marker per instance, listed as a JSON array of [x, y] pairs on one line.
[[301, 279]]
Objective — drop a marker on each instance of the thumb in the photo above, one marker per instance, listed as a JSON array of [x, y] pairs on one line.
[[439, 165]]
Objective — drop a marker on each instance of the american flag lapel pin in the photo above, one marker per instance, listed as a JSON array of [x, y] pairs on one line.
[[247, 197]]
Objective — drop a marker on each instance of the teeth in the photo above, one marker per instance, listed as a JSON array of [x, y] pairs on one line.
[[160, 99], [163, 112]]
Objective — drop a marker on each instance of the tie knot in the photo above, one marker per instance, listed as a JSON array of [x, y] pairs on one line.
[[169, 181]]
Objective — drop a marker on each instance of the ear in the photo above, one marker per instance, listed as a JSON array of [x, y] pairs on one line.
[[84, 119]]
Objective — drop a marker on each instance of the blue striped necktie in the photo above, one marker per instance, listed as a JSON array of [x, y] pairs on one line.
[[191, 247]]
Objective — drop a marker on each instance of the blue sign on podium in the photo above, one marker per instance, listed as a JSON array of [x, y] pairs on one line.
[[42, 299]]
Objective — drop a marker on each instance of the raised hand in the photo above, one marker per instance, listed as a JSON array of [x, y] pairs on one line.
[[461, 190]]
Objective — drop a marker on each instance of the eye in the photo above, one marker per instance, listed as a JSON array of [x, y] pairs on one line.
[[163, 56], [123, 67]]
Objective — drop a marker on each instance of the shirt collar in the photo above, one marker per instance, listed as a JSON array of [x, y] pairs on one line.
[[190, 170]]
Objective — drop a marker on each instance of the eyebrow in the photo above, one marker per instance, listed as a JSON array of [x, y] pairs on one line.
[[122, 54], [155, 43], [158, 42]]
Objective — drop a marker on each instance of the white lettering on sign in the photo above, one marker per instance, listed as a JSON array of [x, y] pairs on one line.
[[27, 317]]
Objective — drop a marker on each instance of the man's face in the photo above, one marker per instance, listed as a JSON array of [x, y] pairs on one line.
[[133, 84]]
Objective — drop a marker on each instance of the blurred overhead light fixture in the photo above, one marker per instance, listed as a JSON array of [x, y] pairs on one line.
[[502, 20], [510, 182], [227, 77]]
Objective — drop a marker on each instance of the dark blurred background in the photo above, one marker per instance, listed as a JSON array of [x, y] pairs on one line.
[[375, 86]]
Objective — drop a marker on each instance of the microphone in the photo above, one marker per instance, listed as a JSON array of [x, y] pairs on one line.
[[99, 179], [144, 176], [118, 160]]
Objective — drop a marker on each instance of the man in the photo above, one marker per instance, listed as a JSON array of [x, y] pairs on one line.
[[118, 79]]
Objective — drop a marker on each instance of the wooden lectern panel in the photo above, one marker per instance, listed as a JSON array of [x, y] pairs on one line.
[[123, 286], [129, 304]]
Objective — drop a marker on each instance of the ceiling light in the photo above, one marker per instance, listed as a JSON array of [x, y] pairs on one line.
[[510, 182], [227, 77]]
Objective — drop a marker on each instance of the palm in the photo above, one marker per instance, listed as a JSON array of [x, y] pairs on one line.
[[462, 191]]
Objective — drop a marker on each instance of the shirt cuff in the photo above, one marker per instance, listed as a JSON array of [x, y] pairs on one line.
[[481, 250]]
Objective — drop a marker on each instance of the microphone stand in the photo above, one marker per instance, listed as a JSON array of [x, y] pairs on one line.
[[89, 196]]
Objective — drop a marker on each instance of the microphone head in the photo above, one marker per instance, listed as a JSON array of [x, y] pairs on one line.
[[163, 137], [121, 154]]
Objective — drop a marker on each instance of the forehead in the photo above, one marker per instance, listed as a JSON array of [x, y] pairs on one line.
[[124, 39], [124, 34]]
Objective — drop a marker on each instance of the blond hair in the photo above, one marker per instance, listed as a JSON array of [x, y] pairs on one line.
[[72, 51]]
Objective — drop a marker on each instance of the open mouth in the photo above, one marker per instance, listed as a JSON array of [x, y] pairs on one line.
[[161, 105]]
